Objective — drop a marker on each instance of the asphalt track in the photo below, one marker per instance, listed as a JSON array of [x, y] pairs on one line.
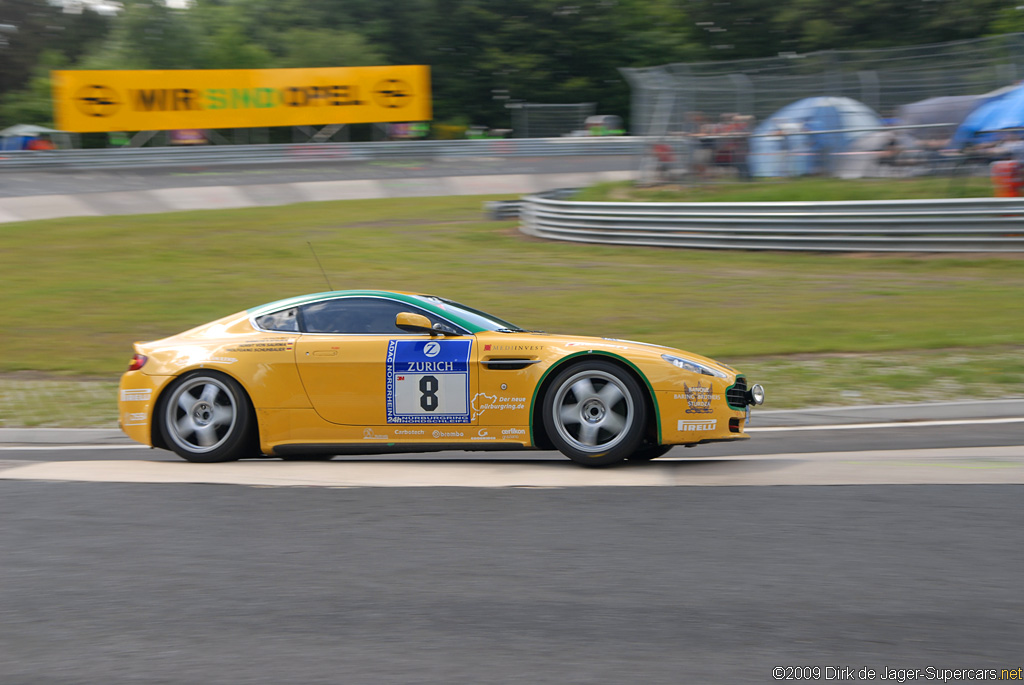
[[878, 538], [521, 567], [26, 183], [30, 196]]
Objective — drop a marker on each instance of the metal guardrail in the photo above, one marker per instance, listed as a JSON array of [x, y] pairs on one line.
[[967, 225], [319, 152]]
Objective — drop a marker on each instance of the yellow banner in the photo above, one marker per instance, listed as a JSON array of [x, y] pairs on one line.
[[89, 101]]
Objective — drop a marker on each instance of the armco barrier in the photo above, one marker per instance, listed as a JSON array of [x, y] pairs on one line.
[[319, 152], [967, 225]]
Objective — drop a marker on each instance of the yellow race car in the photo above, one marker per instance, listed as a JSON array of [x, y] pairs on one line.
[[368, 372]]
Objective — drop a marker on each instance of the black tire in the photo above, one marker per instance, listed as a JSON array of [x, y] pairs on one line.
[[207, 417], [646, 452], [594, 412]]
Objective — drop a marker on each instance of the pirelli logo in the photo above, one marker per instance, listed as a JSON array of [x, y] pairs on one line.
[[136, 394], [696, 426]]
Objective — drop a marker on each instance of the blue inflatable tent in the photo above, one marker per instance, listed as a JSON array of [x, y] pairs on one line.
[[785, 144], [998, 114]]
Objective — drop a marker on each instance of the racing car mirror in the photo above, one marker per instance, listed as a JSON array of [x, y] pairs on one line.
[[417, 323]]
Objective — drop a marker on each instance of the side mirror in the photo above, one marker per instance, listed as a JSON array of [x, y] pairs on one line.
[[417, 323]]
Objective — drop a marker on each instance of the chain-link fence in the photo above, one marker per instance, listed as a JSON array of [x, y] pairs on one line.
[[534, 120], [682, 97], [883, 152], [837, 113]]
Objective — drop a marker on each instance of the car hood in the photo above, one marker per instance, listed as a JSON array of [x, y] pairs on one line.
[[536, 344]]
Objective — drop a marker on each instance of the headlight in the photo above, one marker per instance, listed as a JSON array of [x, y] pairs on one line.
[[690, 365], [756, 394]]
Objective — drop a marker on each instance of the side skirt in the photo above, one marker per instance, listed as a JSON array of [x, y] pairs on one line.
[[396, 448]]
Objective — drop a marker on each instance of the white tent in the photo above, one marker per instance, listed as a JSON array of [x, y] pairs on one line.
[[26, 131], [11, 138]]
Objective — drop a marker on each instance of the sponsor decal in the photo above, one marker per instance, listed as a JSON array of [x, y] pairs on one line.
[[134, 419], [685, 426], [406, 431], [448, 434], [279, 345], [123, 100], [430, 367], [482, 402], [97, 101], [513, 432], [513, 348], [368, 434], [483, 434], [682, 396], [136, 394], [594, 343], [427, 382], [698, 398], [224, 360], [392, 93]]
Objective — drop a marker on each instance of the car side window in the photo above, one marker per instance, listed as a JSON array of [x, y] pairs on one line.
[[284, 320], [357, 315]]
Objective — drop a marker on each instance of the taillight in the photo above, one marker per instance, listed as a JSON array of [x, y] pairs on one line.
[[137, 362]]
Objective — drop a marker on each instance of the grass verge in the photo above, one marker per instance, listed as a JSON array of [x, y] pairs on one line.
[[795, 190], [77, 292]]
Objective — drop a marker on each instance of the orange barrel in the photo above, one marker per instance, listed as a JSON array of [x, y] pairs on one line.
[[1006, 178]]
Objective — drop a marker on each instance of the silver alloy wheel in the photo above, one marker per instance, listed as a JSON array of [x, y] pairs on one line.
[[592, 411], [200, 414]]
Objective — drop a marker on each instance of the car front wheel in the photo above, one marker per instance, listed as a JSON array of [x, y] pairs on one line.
[[594, 413], [207, 417]]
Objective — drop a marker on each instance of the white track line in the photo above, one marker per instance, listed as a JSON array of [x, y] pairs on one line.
[[63, 448], [905, 424]]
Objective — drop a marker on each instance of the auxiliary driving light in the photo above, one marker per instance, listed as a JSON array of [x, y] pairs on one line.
[[756, 394]]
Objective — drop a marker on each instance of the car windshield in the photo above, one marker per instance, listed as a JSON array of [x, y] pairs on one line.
[[474, 316]]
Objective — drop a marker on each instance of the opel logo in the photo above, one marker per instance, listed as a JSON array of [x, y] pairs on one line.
[[392, 93], [97, 101]]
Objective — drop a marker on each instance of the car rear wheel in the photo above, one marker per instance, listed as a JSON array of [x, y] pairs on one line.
[[594, 413], [207, 417]]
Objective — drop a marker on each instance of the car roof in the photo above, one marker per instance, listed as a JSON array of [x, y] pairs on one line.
[[417, 299]]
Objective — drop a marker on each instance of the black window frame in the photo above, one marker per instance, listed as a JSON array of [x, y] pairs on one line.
[[411, 308]]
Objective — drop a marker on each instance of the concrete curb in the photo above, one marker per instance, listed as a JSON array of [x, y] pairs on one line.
[[160, 200], [822, 416]]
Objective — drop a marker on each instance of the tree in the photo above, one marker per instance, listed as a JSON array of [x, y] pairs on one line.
[[148, 35], [33, 104], [303, 48], [33, 24]]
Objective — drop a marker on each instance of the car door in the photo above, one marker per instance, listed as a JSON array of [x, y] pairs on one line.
[[358, 368]]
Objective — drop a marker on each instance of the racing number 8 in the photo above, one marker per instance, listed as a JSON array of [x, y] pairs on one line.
[[428, 400]]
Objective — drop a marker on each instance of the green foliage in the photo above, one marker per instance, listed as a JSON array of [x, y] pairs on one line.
[[482, 53], [229, 48], [34, 104], [304, 47]]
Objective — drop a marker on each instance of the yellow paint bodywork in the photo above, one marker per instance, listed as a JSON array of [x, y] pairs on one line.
[[311, 389]]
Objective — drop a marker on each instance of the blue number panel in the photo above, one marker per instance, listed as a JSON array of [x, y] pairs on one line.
[[428, 381]]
